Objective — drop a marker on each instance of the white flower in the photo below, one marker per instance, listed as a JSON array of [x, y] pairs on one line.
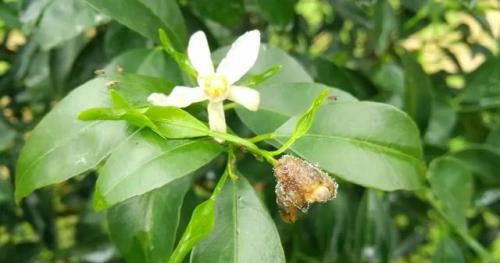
[[217, 85]]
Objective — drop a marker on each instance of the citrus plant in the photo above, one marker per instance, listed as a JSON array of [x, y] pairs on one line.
[[249, 131]]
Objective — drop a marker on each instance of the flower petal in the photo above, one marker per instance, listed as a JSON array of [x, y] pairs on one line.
[[179, 97], [199, 54], [241, 57], [216, 118], [247, 97]]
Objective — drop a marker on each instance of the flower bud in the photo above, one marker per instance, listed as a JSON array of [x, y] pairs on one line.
[[300, 184]]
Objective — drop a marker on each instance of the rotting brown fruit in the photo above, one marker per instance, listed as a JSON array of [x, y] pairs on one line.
[[300, 184]]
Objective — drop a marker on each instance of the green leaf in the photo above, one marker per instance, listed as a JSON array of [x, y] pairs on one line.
[[483, 162], [180, 58], [442, 121], [482, 87], [385, 25], [169, 122], [227, 13], [173, 122], [279, 102], [255, 80], [144, 227], [370, 144], [448, 251], [61, 147], [417, 92], [68, 18], [244, 231], [147, 62], [200, 225], [146, 17], [291, 70], [278, 12], [451, 184], [305, 121], [136, 88], [145, 162]]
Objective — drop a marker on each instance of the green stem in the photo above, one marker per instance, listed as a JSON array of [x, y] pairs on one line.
[[470, 241], [245, 143], [263, 137], [231, 163], [284, 147]]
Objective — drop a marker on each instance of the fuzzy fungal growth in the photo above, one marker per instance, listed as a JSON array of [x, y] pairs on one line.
[[300, 184]]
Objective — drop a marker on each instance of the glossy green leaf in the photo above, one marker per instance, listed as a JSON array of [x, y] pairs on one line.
[[291, 70], [144, 227], [68, 18], [146, 17], [417, 92], [227, 13], [451, 184], [61, 146], [278, 12], [146, 162], [279, 102], [244, 231], [371, 144], [173, 122], [200, 225], [482, 87]]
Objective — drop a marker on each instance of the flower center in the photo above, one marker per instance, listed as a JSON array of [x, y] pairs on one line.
[[216, 87]]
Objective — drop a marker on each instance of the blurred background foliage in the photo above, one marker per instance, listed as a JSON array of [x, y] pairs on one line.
[[435, 59]]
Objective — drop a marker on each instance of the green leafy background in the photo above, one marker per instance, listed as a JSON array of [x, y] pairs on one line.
[[410, 130]]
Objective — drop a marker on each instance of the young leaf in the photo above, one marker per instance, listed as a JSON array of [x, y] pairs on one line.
[[304, 122], [244, 231], [257, 79], [172, 122], [201, 224], [181, 59], [279, 102]]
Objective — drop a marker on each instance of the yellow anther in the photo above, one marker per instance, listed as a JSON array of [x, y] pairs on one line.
[[215, 86]]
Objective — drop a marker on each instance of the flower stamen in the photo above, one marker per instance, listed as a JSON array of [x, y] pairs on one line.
[[216, 87]]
